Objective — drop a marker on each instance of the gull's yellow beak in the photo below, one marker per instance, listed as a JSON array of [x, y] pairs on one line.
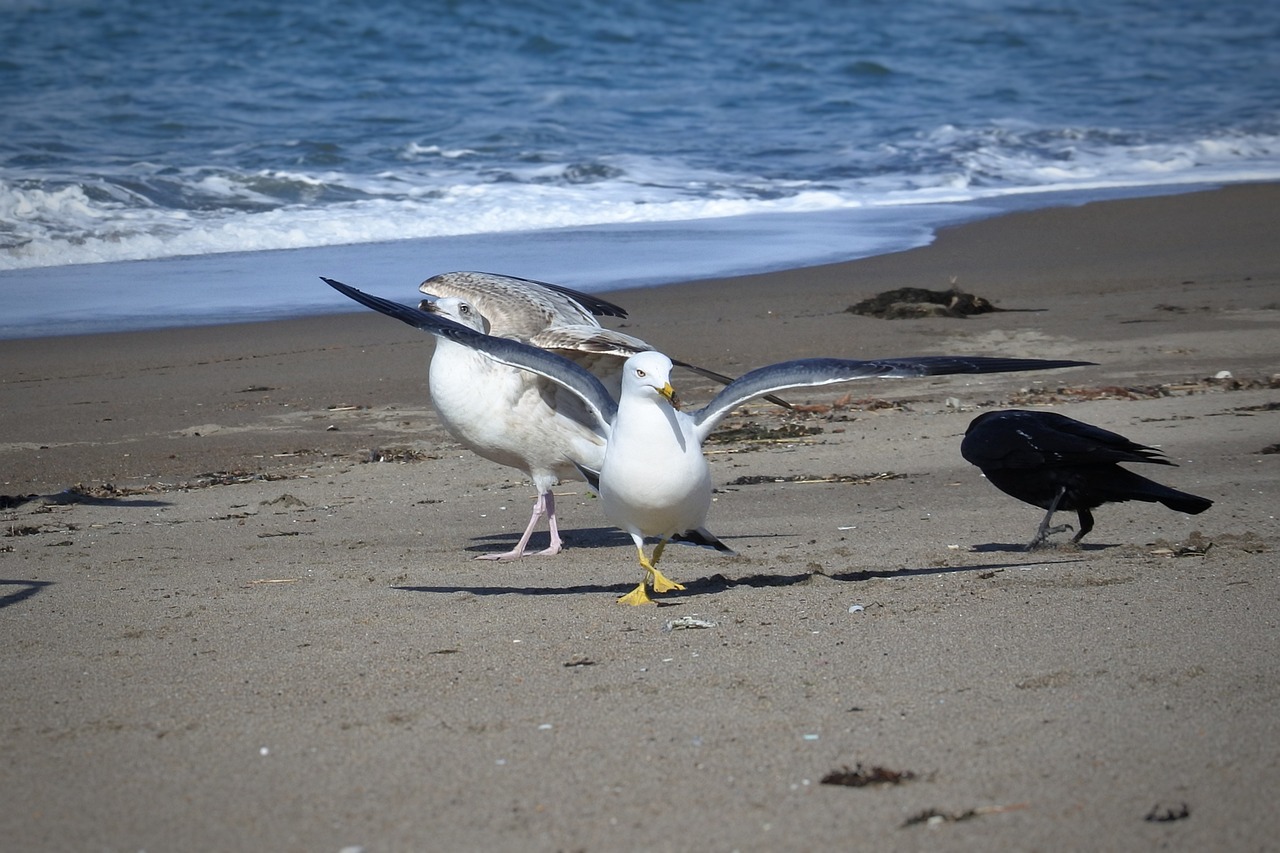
[[670, 393]]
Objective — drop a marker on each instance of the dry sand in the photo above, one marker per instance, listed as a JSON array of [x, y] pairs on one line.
[[243, 634]]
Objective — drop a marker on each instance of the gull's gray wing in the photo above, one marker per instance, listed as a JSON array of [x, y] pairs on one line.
[[520, 307], [807, 372], [580, 343], [721, 379], [503, 350]]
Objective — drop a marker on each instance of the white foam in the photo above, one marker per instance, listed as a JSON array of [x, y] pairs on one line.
[[441, 193], [88, 231]]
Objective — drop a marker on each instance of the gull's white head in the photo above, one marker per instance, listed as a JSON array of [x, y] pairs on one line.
[[648, 374], [458, 310]]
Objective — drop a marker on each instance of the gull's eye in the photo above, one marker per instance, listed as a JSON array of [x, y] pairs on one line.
[[640, 373]]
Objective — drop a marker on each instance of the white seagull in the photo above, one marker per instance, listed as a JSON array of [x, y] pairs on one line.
[[654, 480], [511, 416]]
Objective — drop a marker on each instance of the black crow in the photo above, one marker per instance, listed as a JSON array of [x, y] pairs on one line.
[[1058, 463]]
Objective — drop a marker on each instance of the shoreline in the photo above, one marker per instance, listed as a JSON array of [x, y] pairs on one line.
[[247, 632], [217, 289]]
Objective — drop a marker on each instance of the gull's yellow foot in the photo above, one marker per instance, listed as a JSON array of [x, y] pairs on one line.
[[662, 584], [659, 581], [640, 595], [652, 577], [637, 596]]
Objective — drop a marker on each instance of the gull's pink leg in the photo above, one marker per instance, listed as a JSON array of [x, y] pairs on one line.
[[545, 504], [550, 506]]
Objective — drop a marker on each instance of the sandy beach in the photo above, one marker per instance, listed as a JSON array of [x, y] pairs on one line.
[[240, 608]]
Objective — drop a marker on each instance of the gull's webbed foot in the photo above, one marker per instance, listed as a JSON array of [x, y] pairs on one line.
[[505, 556], [661, 582], [652, 577], [637, 596], [655, 578]]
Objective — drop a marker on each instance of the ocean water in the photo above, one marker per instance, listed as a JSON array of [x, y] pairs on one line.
[[167, 164]]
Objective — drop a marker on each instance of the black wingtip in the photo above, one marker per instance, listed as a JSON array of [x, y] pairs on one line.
[[346, 290], [595, 304], [1014, 365], [996, 364], [404, 313]]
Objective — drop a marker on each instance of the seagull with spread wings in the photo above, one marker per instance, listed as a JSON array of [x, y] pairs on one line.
[[654, 480], [514, 417]]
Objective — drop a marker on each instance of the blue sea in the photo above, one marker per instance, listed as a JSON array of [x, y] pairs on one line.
[[199, 162]]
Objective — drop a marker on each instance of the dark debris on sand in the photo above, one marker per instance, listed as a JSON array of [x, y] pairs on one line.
[[914, 302], [1168, 814], [858, 479], [861, 777]]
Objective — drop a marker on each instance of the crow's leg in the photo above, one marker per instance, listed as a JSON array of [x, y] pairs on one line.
[[1086, 523], [1045, 530]]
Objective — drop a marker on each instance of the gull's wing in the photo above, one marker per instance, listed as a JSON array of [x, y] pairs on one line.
[[808, 372], [503, 350], [589, 339], [570, 341], [520, 307], [551, 317], [721, 379]]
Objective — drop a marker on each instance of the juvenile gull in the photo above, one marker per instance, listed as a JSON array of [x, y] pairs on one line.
[[653, 479], [1058, 463], [549, 316], [521, 308], [511, 416]]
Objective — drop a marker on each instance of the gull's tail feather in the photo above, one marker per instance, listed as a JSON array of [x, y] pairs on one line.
[[703, 538], [592, 477]]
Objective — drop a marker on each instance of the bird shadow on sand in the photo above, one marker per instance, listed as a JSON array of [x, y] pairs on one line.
[[64, 498], [67, 497], [718, 583], [580, 537], [25, 590], [1060, 548]]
